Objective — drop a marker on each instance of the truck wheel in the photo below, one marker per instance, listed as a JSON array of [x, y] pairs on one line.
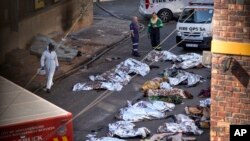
[[165, 15]]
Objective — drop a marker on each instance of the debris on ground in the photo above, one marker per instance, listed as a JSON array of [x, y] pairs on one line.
[[114, 79], [145, 110], [171, 137], [165, 85], [171, 92], [188, 56], [201, 114], [176, 99], [182, 124], [97, 85], [177, 77], [112, 76], [131, 65], [110, 59], [155, 83], [156, 56], [64, 53], [184, 61], [188, 64], [180, 137], [159, 137], [154, 67], [104, 139], [205, 103], [205, 93], [126, 129], [188, 61]]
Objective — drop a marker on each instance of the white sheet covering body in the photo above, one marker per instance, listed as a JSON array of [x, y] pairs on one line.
[[145, 110]]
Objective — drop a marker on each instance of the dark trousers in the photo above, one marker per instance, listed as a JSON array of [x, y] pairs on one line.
[[155, 38], [135, 42]]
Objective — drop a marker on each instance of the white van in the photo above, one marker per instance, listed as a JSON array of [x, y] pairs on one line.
[[165, 9], [194, 27]]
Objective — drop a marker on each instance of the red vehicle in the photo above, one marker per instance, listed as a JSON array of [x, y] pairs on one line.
[[27, 117]]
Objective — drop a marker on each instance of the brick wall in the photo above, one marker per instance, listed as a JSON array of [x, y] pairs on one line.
[[230, 99], [231, 20], [229, 93]]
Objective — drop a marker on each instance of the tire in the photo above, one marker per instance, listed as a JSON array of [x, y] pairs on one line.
[[165, 15]]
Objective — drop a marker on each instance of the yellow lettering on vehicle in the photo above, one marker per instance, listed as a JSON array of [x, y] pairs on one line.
[[55, 139], [64, 138]]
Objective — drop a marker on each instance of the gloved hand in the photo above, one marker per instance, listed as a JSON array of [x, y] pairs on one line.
[[42, 68]]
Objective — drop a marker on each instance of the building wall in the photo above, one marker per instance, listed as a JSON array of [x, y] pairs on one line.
[[57, 18], [230, 89]]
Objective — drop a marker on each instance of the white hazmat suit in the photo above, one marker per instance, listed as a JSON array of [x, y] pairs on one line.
[[49, 61]]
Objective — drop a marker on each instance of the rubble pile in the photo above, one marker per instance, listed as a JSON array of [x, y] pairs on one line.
[[116, 78], [40, 43]]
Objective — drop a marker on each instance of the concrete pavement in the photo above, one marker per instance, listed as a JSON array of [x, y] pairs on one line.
[[98, 117]]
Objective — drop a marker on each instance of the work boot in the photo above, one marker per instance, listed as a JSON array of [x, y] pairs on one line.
[[48, 91], [136, 54]]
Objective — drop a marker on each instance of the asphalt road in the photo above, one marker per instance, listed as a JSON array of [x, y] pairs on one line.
[[98, 117]]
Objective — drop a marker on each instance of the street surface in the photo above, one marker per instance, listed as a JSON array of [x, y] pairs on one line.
[[98, 117]]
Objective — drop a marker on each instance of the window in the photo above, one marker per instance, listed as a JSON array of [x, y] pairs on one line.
[[198, 15]]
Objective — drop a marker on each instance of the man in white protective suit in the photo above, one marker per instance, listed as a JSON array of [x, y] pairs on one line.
[[49, 62]]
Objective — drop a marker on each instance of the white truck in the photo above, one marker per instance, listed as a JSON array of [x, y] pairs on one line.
[[165, 9], [194, 27]]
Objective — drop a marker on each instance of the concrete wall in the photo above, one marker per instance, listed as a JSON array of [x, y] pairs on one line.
[[58, 18]]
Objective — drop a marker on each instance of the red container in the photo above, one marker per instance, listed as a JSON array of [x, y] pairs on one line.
[[27, 117]]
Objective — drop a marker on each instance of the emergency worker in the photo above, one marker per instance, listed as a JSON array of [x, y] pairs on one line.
[[134, 28], [49, 62], [154, 26]]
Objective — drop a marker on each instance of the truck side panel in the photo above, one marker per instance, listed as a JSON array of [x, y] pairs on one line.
[[49, 129]]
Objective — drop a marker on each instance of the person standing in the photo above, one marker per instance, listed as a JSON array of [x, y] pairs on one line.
[[154, 26], [134, 28], [49, 62]]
